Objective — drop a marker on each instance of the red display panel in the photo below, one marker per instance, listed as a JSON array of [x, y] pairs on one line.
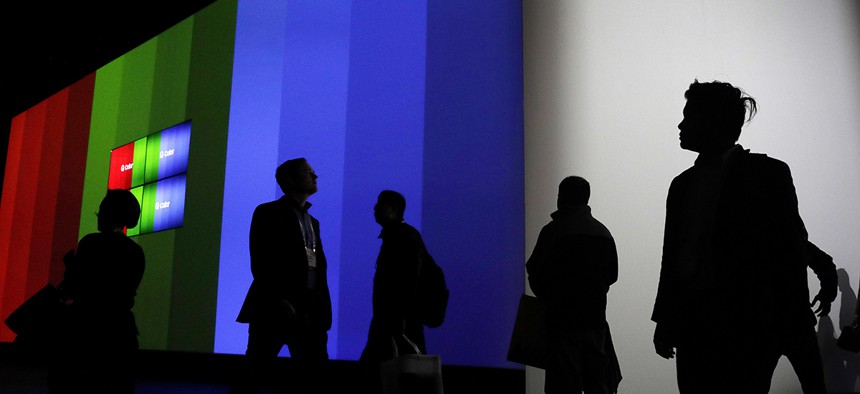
[[121, 167]]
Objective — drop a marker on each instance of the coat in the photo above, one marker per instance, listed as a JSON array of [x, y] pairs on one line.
[[748, 275], [279, 266]]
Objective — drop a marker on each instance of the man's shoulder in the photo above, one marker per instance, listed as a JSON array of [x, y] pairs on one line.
[[409, 228], [402, 231], [684, 175], [762, 162], [271, 210], [271, 205]]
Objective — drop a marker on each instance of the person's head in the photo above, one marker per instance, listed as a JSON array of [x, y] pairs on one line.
[[573, 191], [389, 207], [296, 176], [119, 208], [714, 115]]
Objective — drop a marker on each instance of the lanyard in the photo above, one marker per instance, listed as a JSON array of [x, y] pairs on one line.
[[307, 229]]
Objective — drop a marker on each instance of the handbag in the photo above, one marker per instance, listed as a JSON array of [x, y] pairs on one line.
[[849, 338], [412, 373], [38, 324], [39, 316], [528, 342]]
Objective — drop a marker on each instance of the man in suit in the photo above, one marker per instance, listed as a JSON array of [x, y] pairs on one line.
[[733, 294], [289, 300]]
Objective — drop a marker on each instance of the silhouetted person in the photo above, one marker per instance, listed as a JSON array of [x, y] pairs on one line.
[[571, 268], [99, 285], [288, 302], [857, 310], [806, 360], [395, 288], [841, 367], [849, 306], [856, 319], [733, 294]]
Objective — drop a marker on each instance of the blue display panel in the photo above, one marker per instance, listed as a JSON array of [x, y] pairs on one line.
[[169, 206], [167, 152]]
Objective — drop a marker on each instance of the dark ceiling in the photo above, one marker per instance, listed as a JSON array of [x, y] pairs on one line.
[[50, 44]]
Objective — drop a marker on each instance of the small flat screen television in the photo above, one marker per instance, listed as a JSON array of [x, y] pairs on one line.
[[155, 169]]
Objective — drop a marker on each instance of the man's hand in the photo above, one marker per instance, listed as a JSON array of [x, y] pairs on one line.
[[664, 350], [289, 311], [663, 340], [823, 306]]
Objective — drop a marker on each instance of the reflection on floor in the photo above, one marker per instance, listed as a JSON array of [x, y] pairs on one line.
[[181, 373]]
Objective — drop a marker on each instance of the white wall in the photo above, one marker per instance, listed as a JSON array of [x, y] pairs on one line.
[[604, 85]]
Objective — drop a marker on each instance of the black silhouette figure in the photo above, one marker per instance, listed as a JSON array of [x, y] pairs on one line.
[[395, 288], [573, 264], [851, 360], [841, 367], [849, 309], [288, 302], [733, 295], [806, 360], [857, 309], [100, 282]]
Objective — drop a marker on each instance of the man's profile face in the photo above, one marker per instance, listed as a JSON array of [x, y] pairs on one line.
[[383, 213], [697, 134], [306, 180]]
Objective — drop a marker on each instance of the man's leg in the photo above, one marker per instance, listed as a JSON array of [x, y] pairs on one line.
[[704, 368], [801, 349], [595, 368], [309, 353], [264, 344], [564, 364]]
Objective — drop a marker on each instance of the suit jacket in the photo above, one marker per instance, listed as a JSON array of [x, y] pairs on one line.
[[748, 269], [279, 265]]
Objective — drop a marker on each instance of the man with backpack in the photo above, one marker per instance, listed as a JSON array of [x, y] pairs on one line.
[[397, 316]]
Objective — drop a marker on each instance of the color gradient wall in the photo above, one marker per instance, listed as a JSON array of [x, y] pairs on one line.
[[420, 97], [57, 173], [41, 202]]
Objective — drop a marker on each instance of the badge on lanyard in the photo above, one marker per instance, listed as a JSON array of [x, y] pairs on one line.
[[312, 257]]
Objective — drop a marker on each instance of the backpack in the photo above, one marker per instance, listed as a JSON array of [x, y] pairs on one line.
[[432, 292]]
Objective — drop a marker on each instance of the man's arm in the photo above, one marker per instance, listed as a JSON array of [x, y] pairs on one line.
[[535, 264], [665, 304], [613, 262], [265, 251], [822, 265]]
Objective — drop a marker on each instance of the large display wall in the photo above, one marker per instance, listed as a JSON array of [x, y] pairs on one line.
[[420, 97]]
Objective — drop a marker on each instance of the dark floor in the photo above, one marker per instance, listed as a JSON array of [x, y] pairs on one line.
[[178, 372]]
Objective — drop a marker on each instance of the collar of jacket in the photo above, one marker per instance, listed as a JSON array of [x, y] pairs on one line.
[[286, 200], [389, 228]]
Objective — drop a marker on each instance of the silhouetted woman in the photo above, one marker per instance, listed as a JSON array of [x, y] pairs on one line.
[[100, 283]]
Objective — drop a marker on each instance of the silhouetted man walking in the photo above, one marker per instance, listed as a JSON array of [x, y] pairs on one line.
[[733, 295], [571, 268], [395, 288]]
